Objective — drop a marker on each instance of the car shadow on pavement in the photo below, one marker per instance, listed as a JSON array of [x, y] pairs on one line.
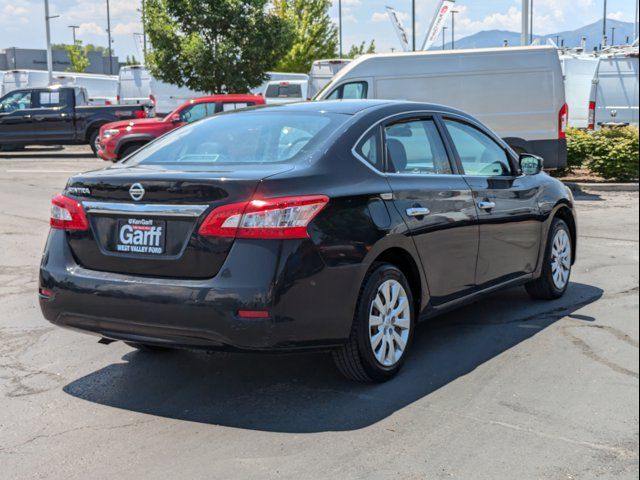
[[304, 393]]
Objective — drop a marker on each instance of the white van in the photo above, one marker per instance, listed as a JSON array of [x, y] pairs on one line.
[[102, 89], [1, 83], [516, 91], [321, 73], [614, 91], [138, 86], [281, 76], [285, 91], [578, 73]]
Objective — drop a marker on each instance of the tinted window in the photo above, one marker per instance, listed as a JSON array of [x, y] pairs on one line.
[[368, 149], [416, 147], [236, 106], [242, 138], [479, 154], [285, 90], [15, 101]]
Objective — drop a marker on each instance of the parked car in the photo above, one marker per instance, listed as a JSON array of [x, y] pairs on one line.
[[281, 76], [120, 139], [333, 225], [322, 72], [578, 71], [101, 89], [139, 87], [614, 92], [517, 91], [56, 116], [286, 91]]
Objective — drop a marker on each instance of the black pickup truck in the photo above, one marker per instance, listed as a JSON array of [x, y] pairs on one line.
[[56, 116]]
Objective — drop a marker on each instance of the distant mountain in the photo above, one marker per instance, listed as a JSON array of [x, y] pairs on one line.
[[572, 38]]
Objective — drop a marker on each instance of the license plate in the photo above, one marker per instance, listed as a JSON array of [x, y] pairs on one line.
[[141, 235]]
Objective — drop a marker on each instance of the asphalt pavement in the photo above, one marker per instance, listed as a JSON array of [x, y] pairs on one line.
[[506, 388]]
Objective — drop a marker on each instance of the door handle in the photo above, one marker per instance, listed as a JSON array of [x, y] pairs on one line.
[[418, 211], [486, 205], [26, 117]]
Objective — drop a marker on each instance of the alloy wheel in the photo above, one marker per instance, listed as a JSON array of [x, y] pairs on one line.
[[561, 259]]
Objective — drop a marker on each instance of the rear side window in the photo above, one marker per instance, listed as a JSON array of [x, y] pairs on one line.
[[226, 107], [50, 99], [415, 147], [349, 91], [479, 154], [284, 90], [368, 150]]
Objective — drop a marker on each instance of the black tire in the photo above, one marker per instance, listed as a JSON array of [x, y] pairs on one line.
[[544, 287], [93, 141], [129, 149], [356, 359], [148, 348]]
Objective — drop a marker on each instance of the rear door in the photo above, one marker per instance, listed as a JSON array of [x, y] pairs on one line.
[[53, 115], [436, 204], [506, 203]]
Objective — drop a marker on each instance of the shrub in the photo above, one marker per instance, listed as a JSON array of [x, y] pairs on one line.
[[579, 147], [614, 153]]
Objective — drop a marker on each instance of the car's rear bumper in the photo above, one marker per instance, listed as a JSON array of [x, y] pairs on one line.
[[308, 308]]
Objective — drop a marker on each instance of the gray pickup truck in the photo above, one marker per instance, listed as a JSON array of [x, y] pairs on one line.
[[57, 116]]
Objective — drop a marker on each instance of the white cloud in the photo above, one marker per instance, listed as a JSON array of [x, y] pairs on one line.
[[383, 17], [616, 15], [91, 28], [127, 28]]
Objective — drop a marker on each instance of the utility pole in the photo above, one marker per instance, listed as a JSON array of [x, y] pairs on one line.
[[453, 29], [635, 22], [413, 23], [604, 24], [109, 39], [444, 32], [531, 22], [524, 33], [47, 18], [144, 34], [613, 37], [73, 29], [340, 24]]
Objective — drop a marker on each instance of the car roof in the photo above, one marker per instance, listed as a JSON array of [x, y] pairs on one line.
[[230, 97], [352, 107]]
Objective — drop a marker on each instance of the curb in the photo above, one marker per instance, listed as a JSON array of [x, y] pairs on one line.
[[578, 187]]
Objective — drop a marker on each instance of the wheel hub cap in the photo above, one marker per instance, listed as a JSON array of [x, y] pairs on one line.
[[389, 323], [561, 259]]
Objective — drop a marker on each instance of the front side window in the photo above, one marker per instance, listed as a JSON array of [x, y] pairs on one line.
[[15, 101], [194, 112], [479, 154], [256, 137], [349, 91], [415, 147]]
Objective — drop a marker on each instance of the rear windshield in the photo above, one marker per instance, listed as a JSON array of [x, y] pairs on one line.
[[284, 91], [236, 138]]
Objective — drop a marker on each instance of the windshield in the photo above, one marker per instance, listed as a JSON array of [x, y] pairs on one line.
[[242, 138]]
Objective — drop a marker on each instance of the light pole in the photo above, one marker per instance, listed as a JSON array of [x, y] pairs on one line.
[[524, 33], [73, 29], [47, 18], [109, 39], [531, 22], [453, 29], [144, 32], [613, 33], [340, 24], [604, 24], [444, 32], [413, 23]]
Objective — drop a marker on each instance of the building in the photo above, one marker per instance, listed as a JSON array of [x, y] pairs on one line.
[[14, 58]]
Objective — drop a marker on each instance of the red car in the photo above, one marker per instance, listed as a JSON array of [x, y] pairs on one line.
[[120, 139]]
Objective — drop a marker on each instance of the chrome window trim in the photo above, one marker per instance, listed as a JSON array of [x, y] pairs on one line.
[[145, 209]]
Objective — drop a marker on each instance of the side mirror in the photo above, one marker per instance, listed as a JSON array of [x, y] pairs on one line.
[[530, 164], [175, 118]]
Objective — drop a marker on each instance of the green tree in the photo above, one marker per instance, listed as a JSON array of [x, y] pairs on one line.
[[78, 57], [357, 50], [131, 60], [315, 35], [215, 46]]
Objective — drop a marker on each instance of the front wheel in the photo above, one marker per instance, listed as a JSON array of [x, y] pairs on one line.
[[382, 327], [94, 141], [556, 270]]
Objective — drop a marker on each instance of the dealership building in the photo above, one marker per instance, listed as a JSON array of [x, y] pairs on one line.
[[14, 58]]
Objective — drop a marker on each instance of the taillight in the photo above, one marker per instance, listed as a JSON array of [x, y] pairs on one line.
[[592, 116], [107, 102], [140, 113], [277, 218], [563, 118], [118, 99], [153, 100], [67, 214]]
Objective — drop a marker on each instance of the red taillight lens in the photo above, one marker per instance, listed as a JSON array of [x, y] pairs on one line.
[[276, 218], [118, 99], [563, 118], [107, 102], [67, 214], [592, 116], [140, 113]]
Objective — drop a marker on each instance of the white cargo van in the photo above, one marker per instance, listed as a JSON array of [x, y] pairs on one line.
[[285, 91], [1, 83], [321, 73], [516, 91], [578, 73], [102, 89], [281, 76], [138, 86], [614, 91]]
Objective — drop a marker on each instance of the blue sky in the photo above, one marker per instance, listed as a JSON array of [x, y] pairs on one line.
[[22, 21]]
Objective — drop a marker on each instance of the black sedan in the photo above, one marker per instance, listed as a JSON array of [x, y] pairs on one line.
[[324, 225]]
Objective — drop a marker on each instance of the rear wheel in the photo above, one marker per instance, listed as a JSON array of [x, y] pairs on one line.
[[556, 270], [94, 141], [147, 348], [382, 328]]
